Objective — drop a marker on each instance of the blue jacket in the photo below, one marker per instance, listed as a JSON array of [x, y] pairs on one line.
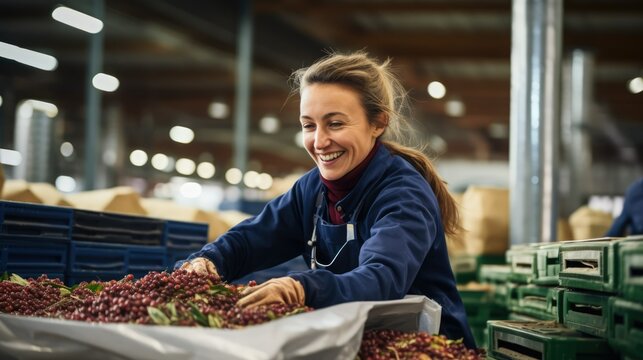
[[630, 221], [400, 247]]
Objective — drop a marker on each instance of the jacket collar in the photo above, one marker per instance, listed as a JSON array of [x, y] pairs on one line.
[[371, 175]]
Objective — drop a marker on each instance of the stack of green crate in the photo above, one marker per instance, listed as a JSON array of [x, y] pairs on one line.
[[544, 340], [477, 304], [479, 300], [604, 291], [625, 330], [466, 268]]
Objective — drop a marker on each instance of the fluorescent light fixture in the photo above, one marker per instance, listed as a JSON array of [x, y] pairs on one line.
[[77, 19], [181, 134], [264, 182], [0, 100], [250, 179], [10, 157], [28, 57], [105, 82]]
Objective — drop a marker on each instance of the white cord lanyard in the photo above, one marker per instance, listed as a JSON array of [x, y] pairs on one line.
[[313, 240], [350, 235]]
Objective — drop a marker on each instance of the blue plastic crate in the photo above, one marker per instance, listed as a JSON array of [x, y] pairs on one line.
[[143, 259], [185, 235], [93, 226], [33, 254], [18, 220], [88, 257]]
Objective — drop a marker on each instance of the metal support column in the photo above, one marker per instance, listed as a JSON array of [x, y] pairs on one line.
[[577, 121], [93, 108], [535, 64], [242, 103]]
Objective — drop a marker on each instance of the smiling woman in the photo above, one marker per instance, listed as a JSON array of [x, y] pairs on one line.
[[370, 218]]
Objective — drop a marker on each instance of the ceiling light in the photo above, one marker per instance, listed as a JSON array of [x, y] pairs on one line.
[[28, 57], [77, 19], [0, 100], [26, 108], [250, 179], [436, 90], [454, 108], [185, 166], [66, 149], [218, 110], [10, 157], [205, 170], [138, 157], [269, 124], [160, 161], [65, 183], [105, 82], [181, 134], [635, 85], [233, 176], [264, 181]]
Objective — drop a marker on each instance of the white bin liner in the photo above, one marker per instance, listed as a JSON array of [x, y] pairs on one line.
[[330, 333]]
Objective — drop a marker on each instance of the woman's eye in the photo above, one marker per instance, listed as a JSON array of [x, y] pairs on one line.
[[335, 124], [307, 126]]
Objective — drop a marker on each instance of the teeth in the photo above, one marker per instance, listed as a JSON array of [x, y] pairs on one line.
[[329, 157]]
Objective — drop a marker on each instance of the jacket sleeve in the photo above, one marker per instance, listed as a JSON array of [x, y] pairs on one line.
[[270, 238], [402, 232]]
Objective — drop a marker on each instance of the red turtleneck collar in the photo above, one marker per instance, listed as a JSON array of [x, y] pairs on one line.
[[339, 188]]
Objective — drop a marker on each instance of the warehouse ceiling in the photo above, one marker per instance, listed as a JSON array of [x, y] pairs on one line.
[[175, 57]]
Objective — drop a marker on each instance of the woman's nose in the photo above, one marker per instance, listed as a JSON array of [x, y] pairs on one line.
[[321, 139]]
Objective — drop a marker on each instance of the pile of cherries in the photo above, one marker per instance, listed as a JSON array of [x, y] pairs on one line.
[[393, 344], [180, 298]]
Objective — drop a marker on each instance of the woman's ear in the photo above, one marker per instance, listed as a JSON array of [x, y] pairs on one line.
[[380, 124]]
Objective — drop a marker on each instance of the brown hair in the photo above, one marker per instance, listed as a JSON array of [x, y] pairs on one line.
[[383, 98]]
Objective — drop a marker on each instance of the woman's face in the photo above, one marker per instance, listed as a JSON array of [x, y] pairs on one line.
[[337, 134]]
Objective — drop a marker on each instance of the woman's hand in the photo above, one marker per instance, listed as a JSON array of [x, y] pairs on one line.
[[285, 290], [200, 265]]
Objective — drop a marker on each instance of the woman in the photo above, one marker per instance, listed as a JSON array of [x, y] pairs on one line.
[[370, 218]]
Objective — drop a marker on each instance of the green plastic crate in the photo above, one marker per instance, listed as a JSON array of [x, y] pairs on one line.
[[466, 268], [543, 340], [547, 265], [521, 317], [587, 312], [477, 305], [590, 265], [513, 297], [626, 327], [631, 274], [540, 302], [522, 260], [494, 274]]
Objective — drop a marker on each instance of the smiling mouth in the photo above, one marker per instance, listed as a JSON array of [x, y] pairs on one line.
[[331, 156]]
